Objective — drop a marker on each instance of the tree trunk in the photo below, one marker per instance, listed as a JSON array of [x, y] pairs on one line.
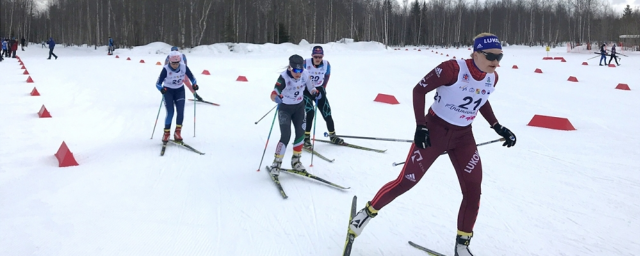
[[203, 20], [97, 23], [109, 10]]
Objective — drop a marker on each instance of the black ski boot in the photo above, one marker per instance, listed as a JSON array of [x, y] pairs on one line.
[[307, 141], [335, 139]]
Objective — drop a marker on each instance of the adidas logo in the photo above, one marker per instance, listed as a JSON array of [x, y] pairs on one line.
[[411, 177]]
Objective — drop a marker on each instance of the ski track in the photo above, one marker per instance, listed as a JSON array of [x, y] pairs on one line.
[[315, 222], [555, 193]]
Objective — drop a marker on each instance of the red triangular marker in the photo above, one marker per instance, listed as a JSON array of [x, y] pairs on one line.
[[35, 92], [65, 157]]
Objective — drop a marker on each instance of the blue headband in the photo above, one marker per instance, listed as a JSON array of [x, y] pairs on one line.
[[486, 42]]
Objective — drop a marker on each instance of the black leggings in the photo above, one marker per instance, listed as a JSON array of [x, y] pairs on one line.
[[613, 57], [323, 107], [288, 114]]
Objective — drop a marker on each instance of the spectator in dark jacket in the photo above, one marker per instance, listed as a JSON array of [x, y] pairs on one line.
[[22, 42], [14, 47], [111, 47], [4, 48], [9, 47], [603, 54], [613, 55], [52, 44]]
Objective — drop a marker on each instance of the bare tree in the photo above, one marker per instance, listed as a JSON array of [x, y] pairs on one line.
[[196, 22]]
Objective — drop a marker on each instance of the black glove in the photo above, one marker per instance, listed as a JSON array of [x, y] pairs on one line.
[[163, 90], [510, 138], [195, 87], [421, 139]]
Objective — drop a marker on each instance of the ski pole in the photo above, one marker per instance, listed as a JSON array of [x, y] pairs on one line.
[[326, 134], [315, 118], [194, 114], [444, 153], [269, 136], [266, 114], [154, 125]]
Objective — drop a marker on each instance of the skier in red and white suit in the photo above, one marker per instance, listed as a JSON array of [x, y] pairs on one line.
[[462, 89]]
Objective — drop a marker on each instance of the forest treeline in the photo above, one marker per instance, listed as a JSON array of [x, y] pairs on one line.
[[190, 23]]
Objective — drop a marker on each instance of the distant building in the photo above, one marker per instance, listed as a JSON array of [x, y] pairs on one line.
[[630, 42]]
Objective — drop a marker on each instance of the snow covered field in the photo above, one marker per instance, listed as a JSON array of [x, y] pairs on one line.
[[554, 193]]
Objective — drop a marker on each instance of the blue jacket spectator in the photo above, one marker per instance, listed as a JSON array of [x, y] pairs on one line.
[[52, 44], [603, 54], [111, 47]]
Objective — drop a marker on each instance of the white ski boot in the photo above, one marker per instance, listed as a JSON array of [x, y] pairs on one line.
[[361, 219], [462, 243], [275, 166], [296, 164]]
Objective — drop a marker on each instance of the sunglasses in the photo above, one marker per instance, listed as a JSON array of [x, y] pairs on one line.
[[492, 56], [317, 57], [297, 70], [175, 62]]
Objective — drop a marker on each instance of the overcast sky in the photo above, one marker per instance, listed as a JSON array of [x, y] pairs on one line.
[[617, 5]]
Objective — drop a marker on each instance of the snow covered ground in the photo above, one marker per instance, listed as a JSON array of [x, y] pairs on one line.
[[554, 193]]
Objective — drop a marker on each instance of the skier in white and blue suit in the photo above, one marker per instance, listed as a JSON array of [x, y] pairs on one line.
[[172, 76]]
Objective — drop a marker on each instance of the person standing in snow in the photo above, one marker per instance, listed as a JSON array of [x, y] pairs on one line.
[[462, 89], [14, 48], [603, 54], [111, 48], [52, 44], [10, 42], [319, 71], [613, 55], [186, 81], [23, 42], [170, 84], [288, 93], [5, 47]]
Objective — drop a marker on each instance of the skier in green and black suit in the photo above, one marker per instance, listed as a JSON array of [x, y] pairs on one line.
[[319, 71]]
